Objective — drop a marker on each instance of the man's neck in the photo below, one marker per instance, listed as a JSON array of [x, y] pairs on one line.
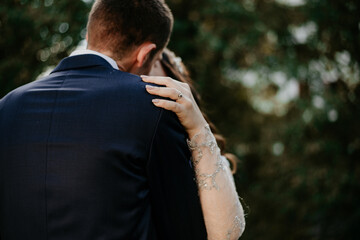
[[120, 64]]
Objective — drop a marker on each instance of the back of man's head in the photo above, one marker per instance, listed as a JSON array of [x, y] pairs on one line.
[[119, 26]]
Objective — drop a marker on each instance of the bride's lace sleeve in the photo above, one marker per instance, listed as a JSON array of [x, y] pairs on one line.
[[223, 212]]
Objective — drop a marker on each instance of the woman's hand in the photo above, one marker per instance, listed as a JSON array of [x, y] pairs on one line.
[[182, 103]]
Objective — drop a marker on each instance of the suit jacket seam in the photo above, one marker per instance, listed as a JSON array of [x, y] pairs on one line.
[[153, 136], [47, 152]]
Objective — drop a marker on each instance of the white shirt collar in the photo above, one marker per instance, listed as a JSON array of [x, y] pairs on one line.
[[88, 51]]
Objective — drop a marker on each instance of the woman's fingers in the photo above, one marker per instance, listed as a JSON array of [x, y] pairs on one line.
[[166, 81], [190, 117], [172, 93], [168, 105], [182, 101]]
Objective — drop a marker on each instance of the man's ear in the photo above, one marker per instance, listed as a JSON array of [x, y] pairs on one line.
[[144, 53]]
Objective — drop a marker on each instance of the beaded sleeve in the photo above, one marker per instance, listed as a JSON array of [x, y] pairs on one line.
[[223, 213]]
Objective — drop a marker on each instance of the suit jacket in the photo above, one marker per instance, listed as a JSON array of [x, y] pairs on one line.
[[84, 154]]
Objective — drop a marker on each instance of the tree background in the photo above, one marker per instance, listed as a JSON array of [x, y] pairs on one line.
[[280, 79]]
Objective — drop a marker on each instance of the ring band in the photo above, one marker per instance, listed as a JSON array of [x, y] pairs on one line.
[[180, 95]]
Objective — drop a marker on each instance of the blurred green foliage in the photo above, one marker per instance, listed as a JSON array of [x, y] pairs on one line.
[[35, 34], [280, 78]]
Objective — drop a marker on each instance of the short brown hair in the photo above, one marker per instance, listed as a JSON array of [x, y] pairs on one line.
[[121, 25]]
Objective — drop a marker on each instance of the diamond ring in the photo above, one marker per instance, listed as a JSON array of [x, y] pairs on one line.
[[180, 95]]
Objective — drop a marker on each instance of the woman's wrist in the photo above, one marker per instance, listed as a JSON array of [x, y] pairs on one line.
[[203, 146], [202, 140], [198, 129]]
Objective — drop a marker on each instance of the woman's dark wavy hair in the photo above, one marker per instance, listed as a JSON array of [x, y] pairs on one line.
[[177, 70]]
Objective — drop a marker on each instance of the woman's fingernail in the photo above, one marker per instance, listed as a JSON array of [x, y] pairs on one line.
[[143, 76], [155, 100], [150, 87]]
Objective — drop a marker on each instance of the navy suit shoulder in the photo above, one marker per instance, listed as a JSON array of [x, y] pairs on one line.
[[84, 154]]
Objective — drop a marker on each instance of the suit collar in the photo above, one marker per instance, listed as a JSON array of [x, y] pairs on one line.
[[81, 61], [88, 51]]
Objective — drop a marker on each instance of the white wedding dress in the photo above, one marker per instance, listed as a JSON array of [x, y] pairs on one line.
[[223, 212]]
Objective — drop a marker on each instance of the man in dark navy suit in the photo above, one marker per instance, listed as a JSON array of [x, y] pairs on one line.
[[84, 154]]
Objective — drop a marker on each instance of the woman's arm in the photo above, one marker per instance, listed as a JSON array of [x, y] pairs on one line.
[[222, 210], [223, 213]]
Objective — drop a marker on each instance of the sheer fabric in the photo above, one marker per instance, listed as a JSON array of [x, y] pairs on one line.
[[223, 212]]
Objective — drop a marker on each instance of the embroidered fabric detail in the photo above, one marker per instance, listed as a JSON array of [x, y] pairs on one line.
[[204, 143], [199, 142], [238, 226]]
